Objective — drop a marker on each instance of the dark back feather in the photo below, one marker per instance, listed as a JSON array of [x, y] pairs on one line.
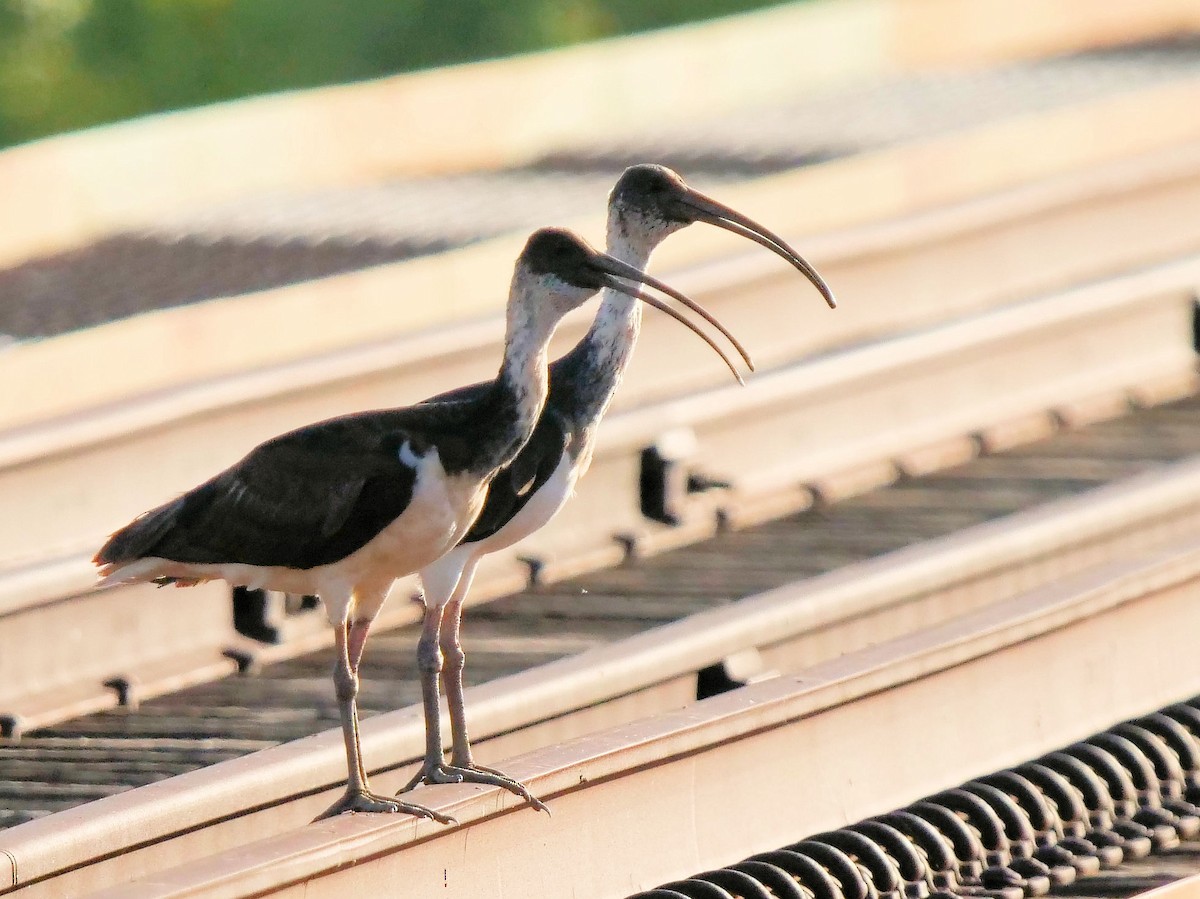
[[309, 497]]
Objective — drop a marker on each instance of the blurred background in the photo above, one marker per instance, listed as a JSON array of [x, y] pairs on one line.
[[67, 64]]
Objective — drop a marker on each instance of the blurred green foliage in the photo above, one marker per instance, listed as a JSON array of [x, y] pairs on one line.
[[66, 64]]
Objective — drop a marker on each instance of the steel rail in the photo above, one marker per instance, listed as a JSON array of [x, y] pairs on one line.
[[777, 632], [794, 755], [812, 429]]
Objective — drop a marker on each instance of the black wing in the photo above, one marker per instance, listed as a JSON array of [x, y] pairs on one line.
[[515, 485], [307, 498], [470, 393]]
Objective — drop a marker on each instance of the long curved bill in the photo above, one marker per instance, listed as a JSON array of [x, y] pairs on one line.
[[616, 274], [705, 209]]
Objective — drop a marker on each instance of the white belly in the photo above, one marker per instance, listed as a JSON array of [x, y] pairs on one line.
[[441, 578], [537, 513]]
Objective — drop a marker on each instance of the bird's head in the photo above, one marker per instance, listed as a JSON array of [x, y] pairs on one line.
[[650, 202], [558, 271]]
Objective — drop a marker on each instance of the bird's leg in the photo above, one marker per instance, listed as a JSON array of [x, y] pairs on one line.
[[462, 763], [358, 796], [437, 646], [456, 662], [429, 662], [356, 641]]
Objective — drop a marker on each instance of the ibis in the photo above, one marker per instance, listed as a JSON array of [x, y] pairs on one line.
[[341, 508], [647, 204]]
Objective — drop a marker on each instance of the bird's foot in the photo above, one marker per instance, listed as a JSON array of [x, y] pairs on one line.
[[433, 773], [441, 773], [366, 801]]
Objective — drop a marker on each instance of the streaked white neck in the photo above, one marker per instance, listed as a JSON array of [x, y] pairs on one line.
[[522, 381], [614, 332]]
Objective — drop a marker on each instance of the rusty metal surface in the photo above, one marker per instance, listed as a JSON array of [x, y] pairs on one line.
[[267, 241]]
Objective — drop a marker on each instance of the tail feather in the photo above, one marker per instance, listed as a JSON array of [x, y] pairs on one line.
[[137, 539], [129, 572]]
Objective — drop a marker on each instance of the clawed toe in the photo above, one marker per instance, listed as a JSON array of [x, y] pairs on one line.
[[365, 801], [477, 774], [480, 774]]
